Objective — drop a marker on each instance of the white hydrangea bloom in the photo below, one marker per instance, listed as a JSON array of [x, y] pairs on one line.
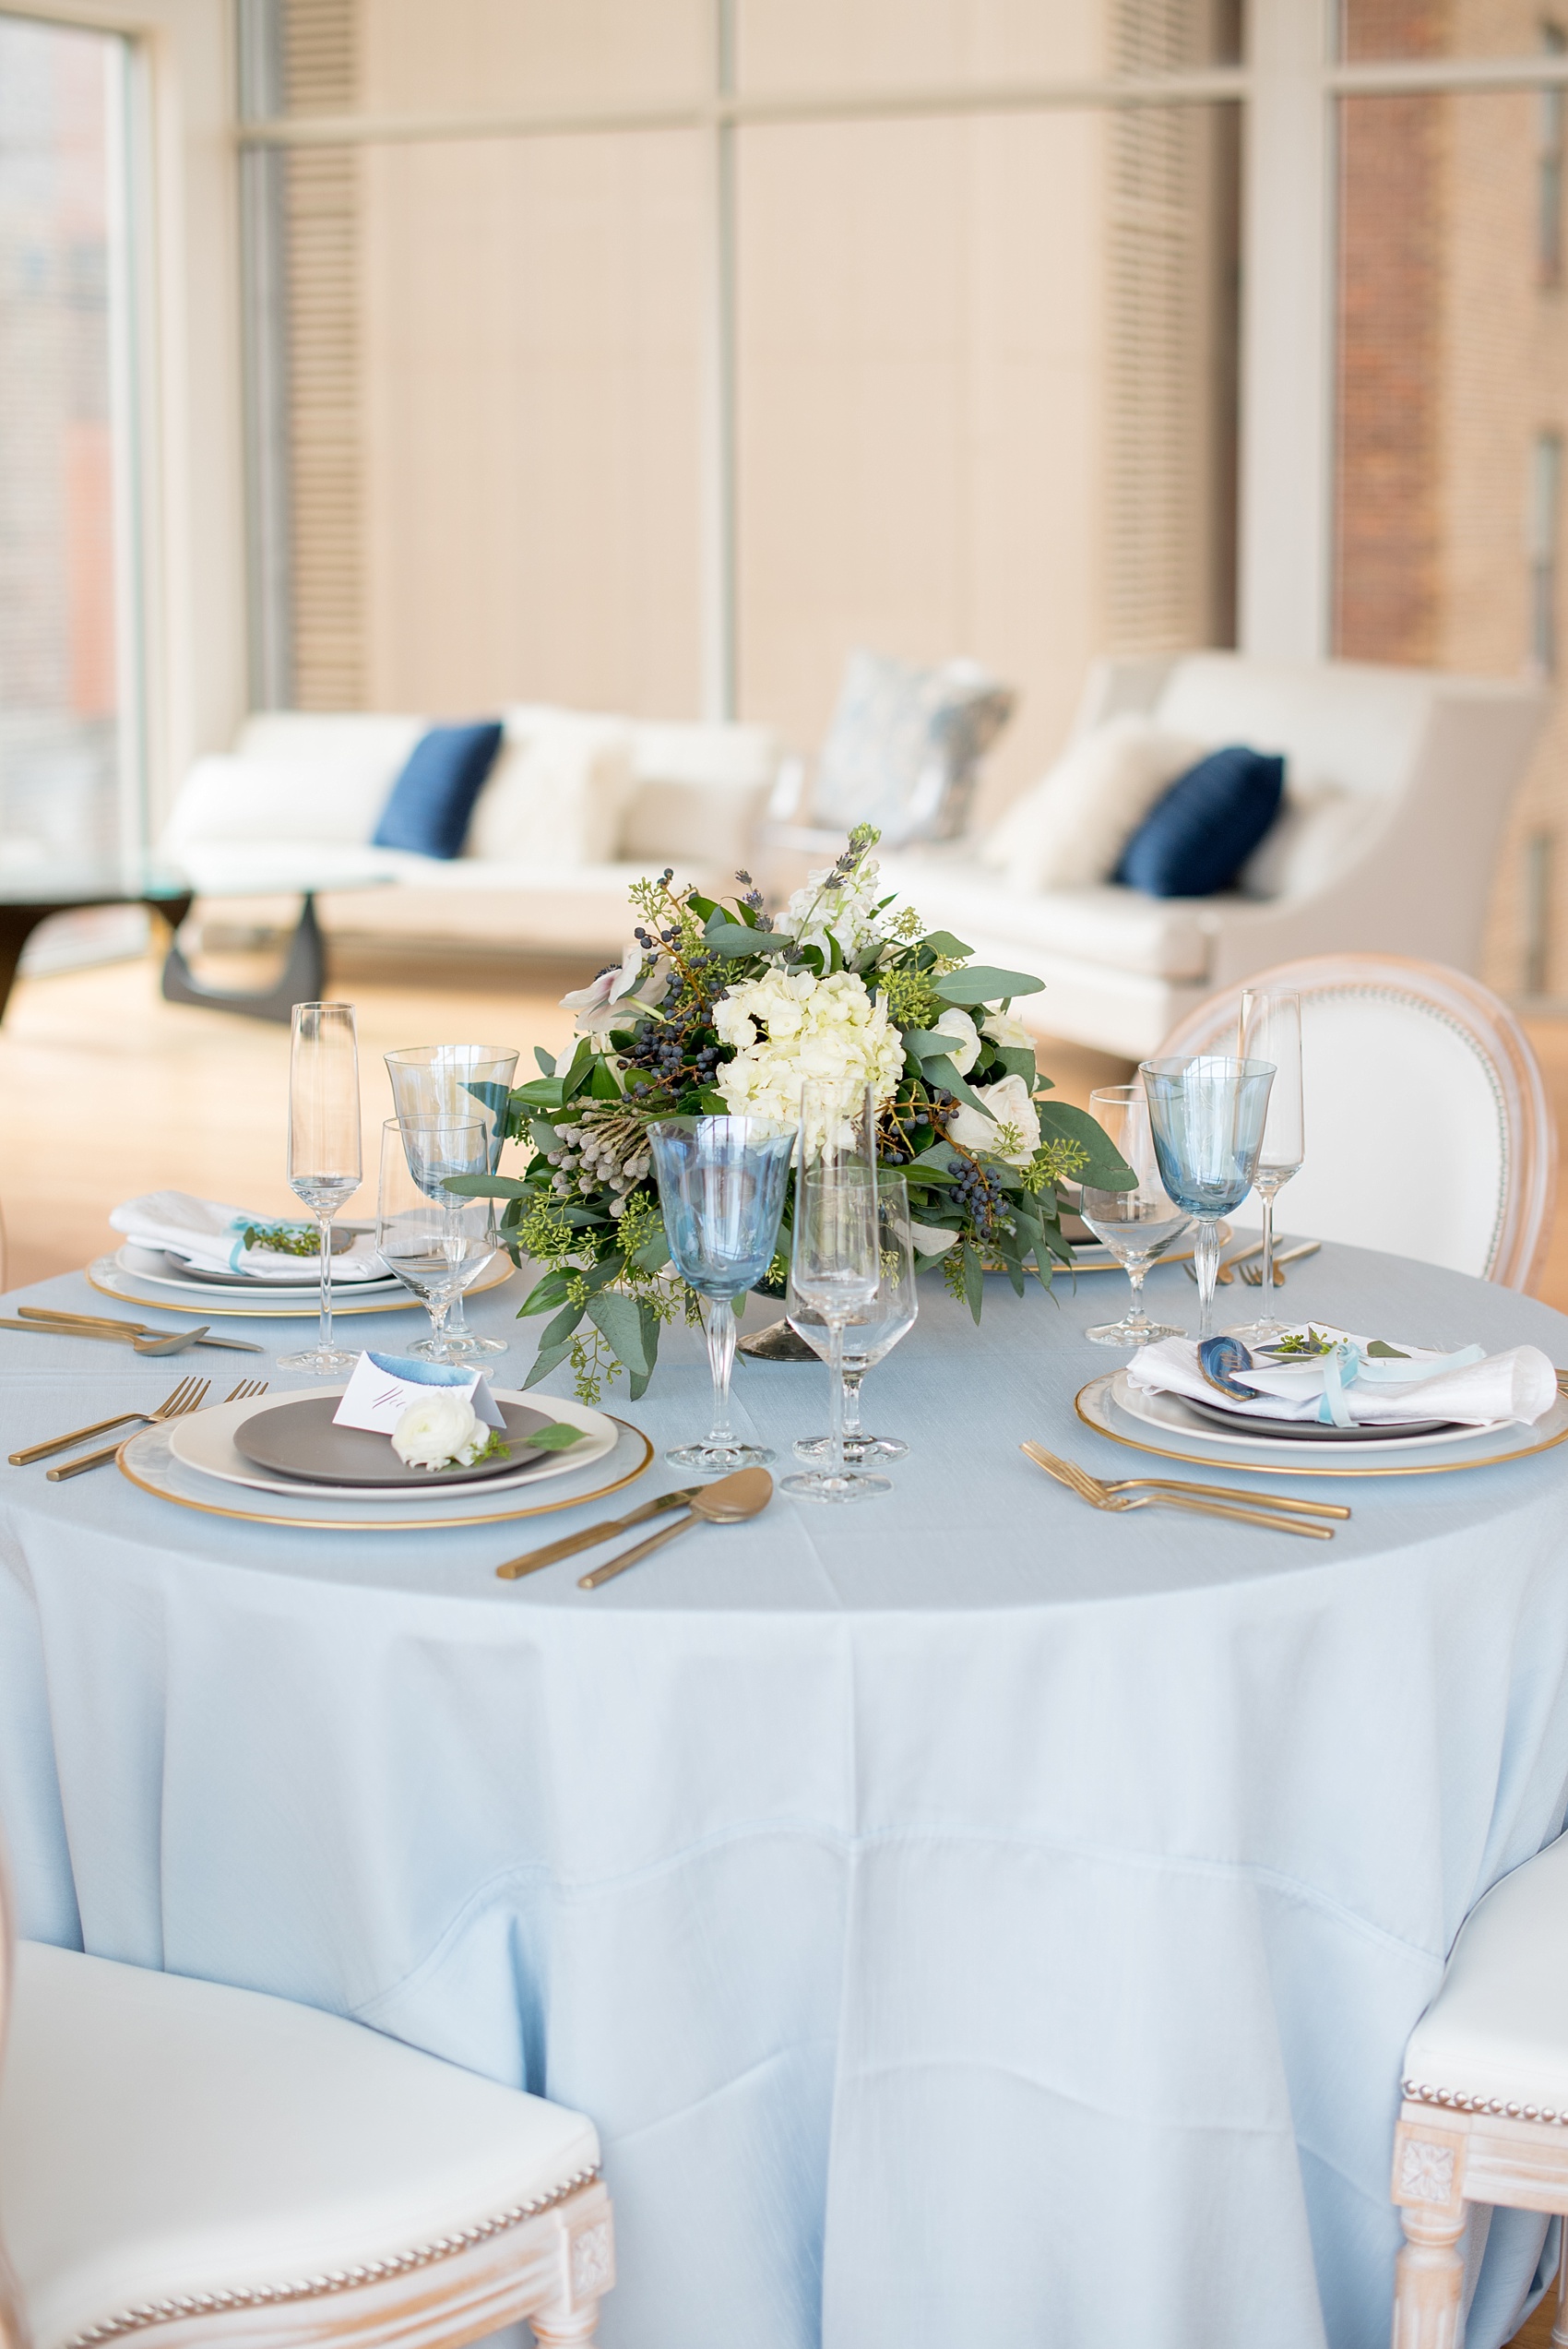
[[1010, 1128], [789, 1027]]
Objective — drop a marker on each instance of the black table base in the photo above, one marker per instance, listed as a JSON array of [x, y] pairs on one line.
[[301, 979]]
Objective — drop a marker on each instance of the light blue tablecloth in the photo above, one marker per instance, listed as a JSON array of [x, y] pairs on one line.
[[969, 1919]]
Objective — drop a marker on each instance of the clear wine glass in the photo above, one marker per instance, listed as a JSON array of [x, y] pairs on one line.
[[1270, 1029], [721, 1185], [324, 1162], [436, 1243], [1137, 1226], [834, 1261], [870, 1333], [1207, 1115], [458, 1081]]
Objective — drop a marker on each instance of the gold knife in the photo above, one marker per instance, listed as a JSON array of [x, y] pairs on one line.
[[591, 1535]]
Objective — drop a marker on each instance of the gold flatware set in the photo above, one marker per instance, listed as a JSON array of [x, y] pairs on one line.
[[139, 1335], [1242, 1261], [727, 1502], [189, 1395], [1281, 1512]]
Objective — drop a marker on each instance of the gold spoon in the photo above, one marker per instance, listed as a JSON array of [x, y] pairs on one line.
[[725, 1503]]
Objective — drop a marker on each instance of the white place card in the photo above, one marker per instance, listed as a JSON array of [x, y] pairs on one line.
[[384, 1384]]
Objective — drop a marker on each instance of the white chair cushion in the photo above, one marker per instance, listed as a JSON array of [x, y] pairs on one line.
[[1069, 831], [1342, 723], [225, 799], [361, 737], [1318, 831], [160, 2137], [557, 793], [1498, 2028], [701, 792]]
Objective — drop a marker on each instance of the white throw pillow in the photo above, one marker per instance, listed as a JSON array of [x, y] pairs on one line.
[[557, 793], [1069, 832], [1317, 832], [327, 799]]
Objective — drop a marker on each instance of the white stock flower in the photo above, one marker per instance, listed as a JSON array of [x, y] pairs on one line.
[[1003, 1030], [961, 1028], [845, 909], [442, 1427], [1009, 1131], [788, 1026], [618, 997]]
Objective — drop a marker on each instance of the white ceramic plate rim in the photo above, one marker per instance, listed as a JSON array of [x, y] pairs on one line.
[[202, 1442], [1168, 1413], [135, 1263]]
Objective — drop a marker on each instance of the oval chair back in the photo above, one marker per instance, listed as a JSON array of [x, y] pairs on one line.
[[13, 2324], [1428, 1129]]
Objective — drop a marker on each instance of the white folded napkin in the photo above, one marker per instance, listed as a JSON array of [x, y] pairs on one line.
[[209, 1237], [1353, 1387]]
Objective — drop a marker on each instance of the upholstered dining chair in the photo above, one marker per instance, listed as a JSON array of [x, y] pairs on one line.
[[1429, 1132], [190, 2163], [1485, 2111]]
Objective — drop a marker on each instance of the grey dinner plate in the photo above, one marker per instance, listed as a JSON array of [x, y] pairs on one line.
[[299, 1440], [1313, 1431]]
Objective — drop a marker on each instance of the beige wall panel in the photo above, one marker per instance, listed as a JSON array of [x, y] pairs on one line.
[[921, 412], [425, 56], [796, 44], [531, 338]]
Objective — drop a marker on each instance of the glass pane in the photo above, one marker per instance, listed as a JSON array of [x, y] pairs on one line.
[[1370, 29], [59, 745], [858, 45], [986, 400], [1453, 405], [491, 400]]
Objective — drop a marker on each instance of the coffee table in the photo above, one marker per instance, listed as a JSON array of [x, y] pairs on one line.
[[32, 895]]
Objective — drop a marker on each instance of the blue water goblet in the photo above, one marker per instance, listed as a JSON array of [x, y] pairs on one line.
[[721, 1186], [1207, 1115]]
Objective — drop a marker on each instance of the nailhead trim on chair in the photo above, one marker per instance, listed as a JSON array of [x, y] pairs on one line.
[[1456, 2101], [343, 2280]]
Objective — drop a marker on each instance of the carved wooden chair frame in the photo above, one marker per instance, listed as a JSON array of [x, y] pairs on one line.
[[1451, 2151]]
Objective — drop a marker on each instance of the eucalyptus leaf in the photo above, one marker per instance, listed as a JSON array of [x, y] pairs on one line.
[[974, 1279], [982, 983], [1104, 1169], [488, 1187], [546, 1362], [558, 1436], [944, 943], [546, 1061], [617, 1319]]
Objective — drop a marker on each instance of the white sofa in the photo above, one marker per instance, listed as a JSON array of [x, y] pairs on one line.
[[575, 808], [1399, 781]]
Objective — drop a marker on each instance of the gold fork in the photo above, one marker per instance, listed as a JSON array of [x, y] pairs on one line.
[[1233, 1493], [247, 1387], [1110, 1497], [177, 1402]]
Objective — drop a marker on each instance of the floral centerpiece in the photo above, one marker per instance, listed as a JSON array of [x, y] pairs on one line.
[[717, 1008]]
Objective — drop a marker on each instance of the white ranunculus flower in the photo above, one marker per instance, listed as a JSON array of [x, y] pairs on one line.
[[618, 998], [966, 1035], [442, 1427], [1010, 1128], [787, 1026], [1003, 1030]]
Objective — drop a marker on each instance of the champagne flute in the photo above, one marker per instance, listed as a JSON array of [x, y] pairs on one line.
[[324, 1162], [1270, 1029], [1207, 1115], [1137, 1226], [835, 1263], [869, 1334], [437, 1242], [721, 1186], [461, 1081]]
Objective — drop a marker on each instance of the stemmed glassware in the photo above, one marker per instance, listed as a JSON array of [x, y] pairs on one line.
[[437, 1242], [1270, 1029], [463, 1081], [835, 1264], [1207, 1115], [871, 1331], [721, 1186], [324, 1162], [1137, 1226]]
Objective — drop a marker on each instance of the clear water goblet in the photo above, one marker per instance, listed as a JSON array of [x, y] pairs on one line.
[[324, 1165], [1270, 1029], [870, 1333], [722, 1183], [835, 1259], [1207, 1115], [458, 1081], [1137, 1226], [437, 1243]]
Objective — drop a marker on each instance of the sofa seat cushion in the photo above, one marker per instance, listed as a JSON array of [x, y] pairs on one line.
[[1497, 2030], [163, 2138], [1158, 938]]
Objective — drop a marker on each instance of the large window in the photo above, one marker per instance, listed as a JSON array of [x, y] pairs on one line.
[[69, 741]]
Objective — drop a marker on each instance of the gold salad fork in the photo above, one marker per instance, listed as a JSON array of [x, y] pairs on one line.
[[185, 1397], [241, 1393], [1148, 1492]]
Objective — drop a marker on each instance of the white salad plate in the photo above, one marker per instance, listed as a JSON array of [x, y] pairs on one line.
[[123, 1275]]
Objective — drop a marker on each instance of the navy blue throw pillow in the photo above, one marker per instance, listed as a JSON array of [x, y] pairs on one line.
[[428, 808], [1196, 839]]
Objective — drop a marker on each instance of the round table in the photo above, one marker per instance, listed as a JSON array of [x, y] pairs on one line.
[[968, 1918]]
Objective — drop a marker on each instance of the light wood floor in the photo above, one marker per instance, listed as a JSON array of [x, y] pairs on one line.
[[107, 1090]]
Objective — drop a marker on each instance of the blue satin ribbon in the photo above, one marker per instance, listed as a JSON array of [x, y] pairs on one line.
[[1347, 1365]]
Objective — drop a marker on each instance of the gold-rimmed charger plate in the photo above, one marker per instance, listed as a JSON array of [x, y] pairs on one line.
[[107, 1276], [1096, 1406], [146, 1460]]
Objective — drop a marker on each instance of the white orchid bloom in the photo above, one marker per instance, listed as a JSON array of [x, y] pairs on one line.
[[1010, 1033], [966, 1038], [1009, 1129], [617, 997]]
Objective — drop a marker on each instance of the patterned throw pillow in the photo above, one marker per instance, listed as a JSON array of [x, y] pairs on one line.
[[905, 745]]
